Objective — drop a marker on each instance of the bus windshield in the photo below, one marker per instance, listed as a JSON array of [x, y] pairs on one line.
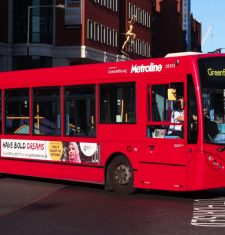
[[212, 75]]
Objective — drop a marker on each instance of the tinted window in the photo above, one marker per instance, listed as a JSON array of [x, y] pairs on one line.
[[80, 110], [46, 111], [117, 103], [17, 118]]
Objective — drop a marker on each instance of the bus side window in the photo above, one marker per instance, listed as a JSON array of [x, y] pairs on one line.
[[46, 111], [17, 119], [118, 103], [80, 111]]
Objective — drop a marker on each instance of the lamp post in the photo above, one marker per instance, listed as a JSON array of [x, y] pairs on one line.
[[28, 24]]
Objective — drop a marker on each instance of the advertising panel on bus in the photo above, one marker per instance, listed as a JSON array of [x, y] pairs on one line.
[[71, 152]]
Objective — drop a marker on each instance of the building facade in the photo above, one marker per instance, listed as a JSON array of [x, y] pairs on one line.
[[5, 50], [173, 28], [186, 21], [42, 33], [196, 36], [48, 33]]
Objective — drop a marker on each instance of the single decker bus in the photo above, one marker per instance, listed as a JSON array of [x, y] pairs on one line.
[[149, 124]]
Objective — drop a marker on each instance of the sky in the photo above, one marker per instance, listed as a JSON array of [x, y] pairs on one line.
[[211, 14]]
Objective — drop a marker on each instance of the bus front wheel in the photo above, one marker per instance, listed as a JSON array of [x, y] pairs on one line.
[[120, 175]]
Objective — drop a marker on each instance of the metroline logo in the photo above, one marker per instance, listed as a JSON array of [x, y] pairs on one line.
[[146, 68]]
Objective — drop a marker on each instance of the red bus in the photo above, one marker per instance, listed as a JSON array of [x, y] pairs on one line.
[[117, 123]]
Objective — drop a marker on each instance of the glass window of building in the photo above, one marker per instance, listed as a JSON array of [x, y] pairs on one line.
[[40, 21]]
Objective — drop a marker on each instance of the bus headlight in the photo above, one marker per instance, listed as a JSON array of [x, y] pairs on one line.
[[215, 162]]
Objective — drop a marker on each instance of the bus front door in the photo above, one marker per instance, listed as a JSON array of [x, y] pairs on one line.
[[164, 161]]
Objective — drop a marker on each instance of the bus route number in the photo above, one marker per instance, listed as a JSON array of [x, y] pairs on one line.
[[170, 66]]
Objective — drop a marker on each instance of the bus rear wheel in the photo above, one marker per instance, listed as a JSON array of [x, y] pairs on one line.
[[120, 175]]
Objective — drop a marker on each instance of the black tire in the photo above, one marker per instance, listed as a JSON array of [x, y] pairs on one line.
[[120, 176]]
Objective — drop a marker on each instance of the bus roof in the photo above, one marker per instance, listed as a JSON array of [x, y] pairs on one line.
[[101, 72], [183, 53]]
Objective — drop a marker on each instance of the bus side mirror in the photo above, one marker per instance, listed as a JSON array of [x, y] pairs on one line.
[[172, 94]]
